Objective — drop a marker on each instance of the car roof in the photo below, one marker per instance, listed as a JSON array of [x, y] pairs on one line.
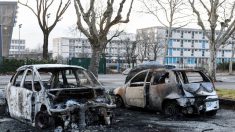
[[187, 70], [39, 66]]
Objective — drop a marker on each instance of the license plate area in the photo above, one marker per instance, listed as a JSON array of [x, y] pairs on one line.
[[212, 105]]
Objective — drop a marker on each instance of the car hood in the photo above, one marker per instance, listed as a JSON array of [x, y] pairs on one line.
[[199, 88]]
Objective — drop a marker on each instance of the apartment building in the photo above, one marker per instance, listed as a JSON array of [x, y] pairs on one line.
[[17, 48], [187, 46], [65, 47]]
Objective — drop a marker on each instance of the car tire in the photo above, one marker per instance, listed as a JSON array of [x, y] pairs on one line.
[[119, 102], [7, 113], [171, 108], [211, 113], [43, 120]]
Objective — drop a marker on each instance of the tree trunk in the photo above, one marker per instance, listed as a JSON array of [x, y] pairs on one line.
[[145, 50], [45, 45], [155, 53], [212, 63], [166, 44], [231, 61], [95, 59]]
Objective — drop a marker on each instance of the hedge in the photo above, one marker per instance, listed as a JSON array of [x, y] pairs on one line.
[[10, 65], [224, 66]]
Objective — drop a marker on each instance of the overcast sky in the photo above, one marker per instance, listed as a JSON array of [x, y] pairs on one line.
[[31, 32]]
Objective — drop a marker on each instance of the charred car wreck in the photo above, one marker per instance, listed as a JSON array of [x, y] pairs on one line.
[[170, 91], [58, 95]]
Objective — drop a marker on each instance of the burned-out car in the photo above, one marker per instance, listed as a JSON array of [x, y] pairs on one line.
[[170, 91], [57, 95]]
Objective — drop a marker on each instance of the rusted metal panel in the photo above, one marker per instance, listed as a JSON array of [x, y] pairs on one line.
[[135, 96]]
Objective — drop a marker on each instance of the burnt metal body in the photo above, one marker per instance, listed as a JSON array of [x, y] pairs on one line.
[[191, 90], [142, 67], [58, 95]]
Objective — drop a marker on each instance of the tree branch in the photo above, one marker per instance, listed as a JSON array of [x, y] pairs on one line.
[[200, 22]]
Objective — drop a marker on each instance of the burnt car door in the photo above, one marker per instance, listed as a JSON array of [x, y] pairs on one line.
[[25, 94], [12, 93], [135, 90], [163, 86]]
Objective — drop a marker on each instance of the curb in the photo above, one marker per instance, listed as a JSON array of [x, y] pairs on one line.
[[227, 104]]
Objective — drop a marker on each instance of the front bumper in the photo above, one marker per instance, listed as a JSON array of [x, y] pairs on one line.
[[199, 104], [80, 111]]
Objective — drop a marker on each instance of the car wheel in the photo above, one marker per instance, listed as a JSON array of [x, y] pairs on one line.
[[171, 108], [7, 113], [118, 101], [42, 120], [211, 113]]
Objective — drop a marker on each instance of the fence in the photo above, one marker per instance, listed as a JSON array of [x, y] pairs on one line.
[[85, 62]]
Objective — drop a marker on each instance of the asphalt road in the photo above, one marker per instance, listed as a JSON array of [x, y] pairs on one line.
[[138, 120]]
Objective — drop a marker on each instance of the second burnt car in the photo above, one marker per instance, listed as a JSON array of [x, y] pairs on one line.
[[59, 96], [170, 91]]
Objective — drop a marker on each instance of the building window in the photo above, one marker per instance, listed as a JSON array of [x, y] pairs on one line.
[[181, 52], [203, 52], [192, 54], [203, 35], [192, 44]]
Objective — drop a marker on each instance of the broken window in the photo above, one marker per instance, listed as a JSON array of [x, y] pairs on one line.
[[192, 77], [36, 83], [67, 78], [161, 77], [83, 78], [28, 80], [45, 78], [139, 79], [71, 78], [195, 77], [18, 78]]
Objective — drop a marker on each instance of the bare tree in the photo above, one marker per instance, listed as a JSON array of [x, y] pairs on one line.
[[215, 17], [232, 56], [174, 16], [41, 12], [143, 45], [149, 42], [98, 23], [130, 47], [157, 46]]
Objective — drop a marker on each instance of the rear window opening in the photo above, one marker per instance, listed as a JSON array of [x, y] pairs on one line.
[[192, 77]]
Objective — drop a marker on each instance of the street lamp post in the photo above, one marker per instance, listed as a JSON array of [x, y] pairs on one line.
[[0, 42], [20, 25]]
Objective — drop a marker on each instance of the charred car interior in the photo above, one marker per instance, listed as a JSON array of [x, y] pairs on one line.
[[170, 91], [58, 96]]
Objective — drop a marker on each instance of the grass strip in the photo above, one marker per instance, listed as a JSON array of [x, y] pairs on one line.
[[226, 93]]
